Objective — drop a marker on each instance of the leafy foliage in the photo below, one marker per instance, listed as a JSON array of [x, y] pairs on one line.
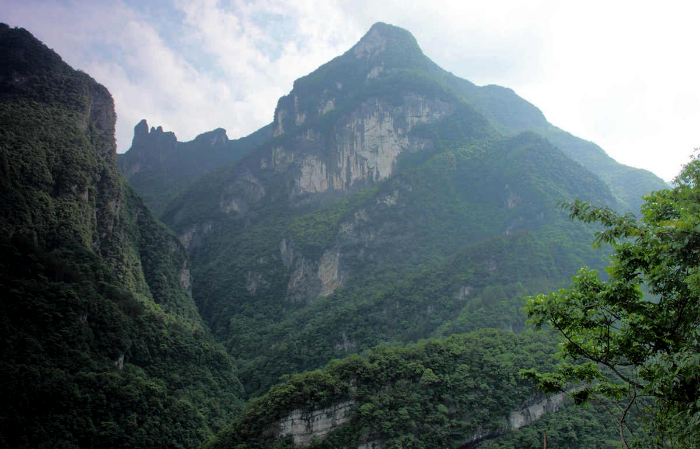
[[439, 393], [637, 344]]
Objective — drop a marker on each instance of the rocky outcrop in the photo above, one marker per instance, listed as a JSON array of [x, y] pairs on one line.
[[526, 414], [375, 444], [185, 277], [158, 166], [533, 410], [148, 149], [303, 285], [245, 191], [329, 272], [310, 279], [216, 137], [363, 150], [304, 426], [192, 236]]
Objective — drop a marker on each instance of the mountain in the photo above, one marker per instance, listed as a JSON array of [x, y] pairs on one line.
[[101, 342], [159, 167], [394, 202]]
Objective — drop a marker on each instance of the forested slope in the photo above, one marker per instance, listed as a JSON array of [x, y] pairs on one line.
[[460, 392], [101, 344]]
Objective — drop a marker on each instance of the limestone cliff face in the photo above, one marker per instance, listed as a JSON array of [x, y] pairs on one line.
[[305, 426], [368, 142], [310, 278], [361, 150]]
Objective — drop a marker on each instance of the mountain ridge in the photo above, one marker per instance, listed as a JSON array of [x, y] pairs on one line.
[[325, 89], [160, 167]]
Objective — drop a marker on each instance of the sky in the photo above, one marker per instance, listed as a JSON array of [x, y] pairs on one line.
[[623, 74]]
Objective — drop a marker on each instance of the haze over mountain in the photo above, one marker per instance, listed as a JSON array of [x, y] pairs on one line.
[[159, 166], [389, 206]]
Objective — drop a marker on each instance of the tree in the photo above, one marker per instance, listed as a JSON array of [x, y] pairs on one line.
[[635, 337]]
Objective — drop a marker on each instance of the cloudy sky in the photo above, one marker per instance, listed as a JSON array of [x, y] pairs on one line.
[[622, 74]]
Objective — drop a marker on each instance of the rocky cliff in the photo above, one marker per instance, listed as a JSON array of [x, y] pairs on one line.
[[308, 426]]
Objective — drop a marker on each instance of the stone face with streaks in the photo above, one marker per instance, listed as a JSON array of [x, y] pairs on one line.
[[304, 426]]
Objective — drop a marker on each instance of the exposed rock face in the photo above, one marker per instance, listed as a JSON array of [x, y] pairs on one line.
[[192, 236], [464, 291], [185, 277], [310, 279], [372, 44], [375, 444], [372, 138], [329, 273], [304, 426], [253, 281], [244, 191], [303, 285], [346, 345], [533, 411], [364, 148], [213, 138]]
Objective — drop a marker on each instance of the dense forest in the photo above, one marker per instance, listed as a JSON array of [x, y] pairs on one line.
[[101, 342]]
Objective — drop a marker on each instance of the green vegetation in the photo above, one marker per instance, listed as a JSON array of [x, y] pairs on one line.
[[636, 346], [101, 344], [473, 229], [434, 394]]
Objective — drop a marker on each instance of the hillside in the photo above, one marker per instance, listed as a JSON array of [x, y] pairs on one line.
[[460, 392], [101, 342]]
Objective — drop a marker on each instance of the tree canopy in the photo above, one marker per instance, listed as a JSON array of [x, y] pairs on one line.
[[634, 337]]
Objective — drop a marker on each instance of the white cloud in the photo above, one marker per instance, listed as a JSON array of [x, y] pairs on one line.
[[619, 73]]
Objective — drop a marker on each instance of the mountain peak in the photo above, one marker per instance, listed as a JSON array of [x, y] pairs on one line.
[[214, 137], [382, 36], [141, 128]]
